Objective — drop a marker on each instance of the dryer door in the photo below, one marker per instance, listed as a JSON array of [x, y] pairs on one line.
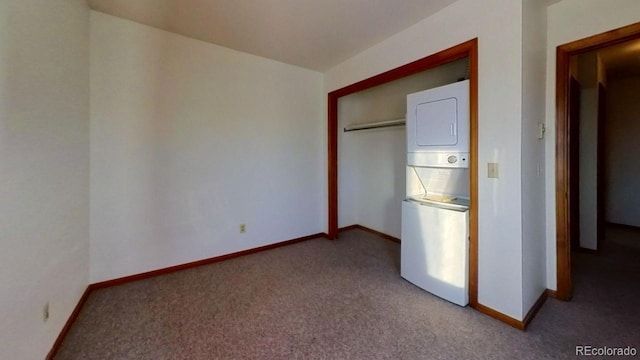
[[437, 122]]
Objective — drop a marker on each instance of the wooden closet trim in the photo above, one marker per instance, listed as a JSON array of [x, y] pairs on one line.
[[466, 49]]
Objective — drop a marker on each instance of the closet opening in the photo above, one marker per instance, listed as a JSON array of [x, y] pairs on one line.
[[465, 55]]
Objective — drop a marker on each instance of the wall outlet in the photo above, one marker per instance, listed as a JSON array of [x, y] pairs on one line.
[[45, 312], [243, 228], [492, 170]]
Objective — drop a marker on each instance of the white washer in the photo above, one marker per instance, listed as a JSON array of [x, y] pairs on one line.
[[435, 248]]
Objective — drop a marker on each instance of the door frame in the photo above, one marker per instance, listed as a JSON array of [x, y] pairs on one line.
[[563, 191], [467, 49]]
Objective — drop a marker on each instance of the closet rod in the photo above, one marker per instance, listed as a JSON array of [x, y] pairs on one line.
[[375, 125]]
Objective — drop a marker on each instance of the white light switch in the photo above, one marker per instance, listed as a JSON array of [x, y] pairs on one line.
[[492, 170], [541, 130]]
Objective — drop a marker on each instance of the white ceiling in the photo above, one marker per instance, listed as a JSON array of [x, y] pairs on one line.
[[315, 34]]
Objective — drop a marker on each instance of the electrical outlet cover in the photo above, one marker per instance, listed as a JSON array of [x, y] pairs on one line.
[[492, 170]]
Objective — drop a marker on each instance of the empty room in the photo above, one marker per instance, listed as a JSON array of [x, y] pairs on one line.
[[275, 179]]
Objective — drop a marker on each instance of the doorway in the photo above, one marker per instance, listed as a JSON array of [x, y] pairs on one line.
[[567, 195]]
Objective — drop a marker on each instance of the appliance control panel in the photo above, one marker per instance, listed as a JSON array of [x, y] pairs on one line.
[[438, 159]]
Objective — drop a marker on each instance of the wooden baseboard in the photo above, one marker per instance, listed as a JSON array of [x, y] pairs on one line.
[[364, 228], [65, 329], [518, 324], [534, 309], [552, 293], [148, 274], [499, 316], [623, 226], [168, 270], [350, 227]]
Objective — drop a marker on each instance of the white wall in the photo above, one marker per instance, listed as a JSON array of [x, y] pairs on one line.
[[44, 170], [534, 19], [567, 21], [498, 25], [371, 163], [587, 76], [588, 177], [189, 140], [622, 151]]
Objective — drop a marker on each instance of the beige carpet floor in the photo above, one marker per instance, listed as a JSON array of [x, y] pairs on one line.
[[345, 299]]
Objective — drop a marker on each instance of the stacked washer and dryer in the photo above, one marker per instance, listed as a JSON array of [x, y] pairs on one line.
[[435, 213]]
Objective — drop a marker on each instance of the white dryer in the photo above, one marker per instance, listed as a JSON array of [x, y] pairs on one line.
[[438, 126]]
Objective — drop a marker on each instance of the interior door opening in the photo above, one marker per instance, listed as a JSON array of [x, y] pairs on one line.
[[590, 141]]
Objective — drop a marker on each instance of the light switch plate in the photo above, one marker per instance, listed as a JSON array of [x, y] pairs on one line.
[[492, 170], [541, 131]]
